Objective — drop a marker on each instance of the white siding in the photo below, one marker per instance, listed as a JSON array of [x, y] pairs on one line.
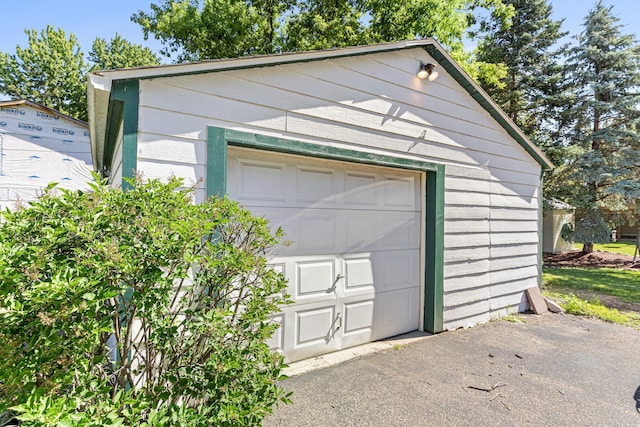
[[374, 103]]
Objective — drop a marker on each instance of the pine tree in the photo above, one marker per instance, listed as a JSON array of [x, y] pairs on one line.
[[601, 176], [532, 89]]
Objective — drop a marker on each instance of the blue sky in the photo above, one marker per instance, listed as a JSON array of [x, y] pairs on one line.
[[89, 19]]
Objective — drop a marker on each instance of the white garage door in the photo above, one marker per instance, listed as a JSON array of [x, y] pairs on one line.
[[353, 262]]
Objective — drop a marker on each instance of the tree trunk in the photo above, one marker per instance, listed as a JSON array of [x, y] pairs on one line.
[[587, 248]]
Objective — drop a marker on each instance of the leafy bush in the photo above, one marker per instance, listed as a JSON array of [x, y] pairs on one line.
[[580, 307], [137, 308]]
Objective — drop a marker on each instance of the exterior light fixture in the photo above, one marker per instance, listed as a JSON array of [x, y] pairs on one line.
[[427, 71]]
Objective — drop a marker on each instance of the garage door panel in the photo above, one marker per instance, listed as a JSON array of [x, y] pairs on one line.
[[314, 232], [317, 186], [359, 272], [318, 231], [309, 330], [268, 180], [360, 189], [276, 217], [359, 320], [310, 279], [397, 270], [402, 230], [261, 181], [361, 231], [315, 326], [314, 278], [396, 312], [276, 342], [399, 192], [358, 317]]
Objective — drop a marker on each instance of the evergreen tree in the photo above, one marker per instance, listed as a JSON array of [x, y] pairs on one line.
[[601, 175], [50, 71], [532, 90]]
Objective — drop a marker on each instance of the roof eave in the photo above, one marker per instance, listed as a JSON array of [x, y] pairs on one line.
[[255, 61]]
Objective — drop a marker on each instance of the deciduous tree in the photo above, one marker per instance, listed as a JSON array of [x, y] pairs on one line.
[[120, 53], [195, 30], [205, 29], [49, 71]]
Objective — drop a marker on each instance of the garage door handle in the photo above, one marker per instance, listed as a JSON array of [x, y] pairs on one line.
[[335, 283], [338, 321]]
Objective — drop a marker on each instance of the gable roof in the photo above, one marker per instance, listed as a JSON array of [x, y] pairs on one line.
[[100, 84], [17, 102]]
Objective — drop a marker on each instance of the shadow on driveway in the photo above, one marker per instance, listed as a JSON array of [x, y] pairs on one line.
[[551, 370]]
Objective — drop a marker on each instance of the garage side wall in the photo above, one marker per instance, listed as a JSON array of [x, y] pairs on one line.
[[374, 104]]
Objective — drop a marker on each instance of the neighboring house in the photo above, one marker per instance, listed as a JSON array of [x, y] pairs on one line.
[[631, 229], [628, 231], [557, 214], [410, 203], [38, 146]]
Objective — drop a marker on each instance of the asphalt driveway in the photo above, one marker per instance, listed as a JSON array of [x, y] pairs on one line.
[[551, 370]]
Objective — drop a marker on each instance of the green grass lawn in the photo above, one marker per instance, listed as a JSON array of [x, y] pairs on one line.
[[626, 247], [588, 292], [623, 284]]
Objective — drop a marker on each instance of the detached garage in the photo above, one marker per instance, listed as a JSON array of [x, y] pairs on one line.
[[409, 203]]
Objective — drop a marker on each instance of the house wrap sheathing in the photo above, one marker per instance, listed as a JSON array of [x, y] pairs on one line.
[[410, 203], [39, 146]]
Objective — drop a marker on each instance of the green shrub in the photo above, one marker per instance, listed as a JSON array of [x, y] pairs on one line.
[[580, 307], [137, 308]]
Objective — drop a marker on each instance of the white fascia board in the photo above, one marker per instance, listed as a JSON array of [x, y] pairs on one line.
[[98, 100]]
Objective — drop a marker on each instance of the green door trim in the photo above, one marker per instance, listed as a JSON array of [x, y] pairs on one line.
[[218, 139]]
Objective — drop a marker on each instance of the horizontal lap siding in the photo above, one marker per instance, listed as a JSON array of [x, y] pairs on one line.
[[467, 284], [375, 104]]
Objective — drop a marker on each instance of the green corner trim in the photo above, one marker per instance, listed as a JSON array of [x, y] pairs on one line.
[[130, 130], [123, 108], [218, 139], [216, 162], [434, 252]]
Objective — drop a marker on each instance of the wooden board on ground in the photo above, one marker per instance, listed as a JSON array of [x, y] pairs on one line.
[[536, 300]]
